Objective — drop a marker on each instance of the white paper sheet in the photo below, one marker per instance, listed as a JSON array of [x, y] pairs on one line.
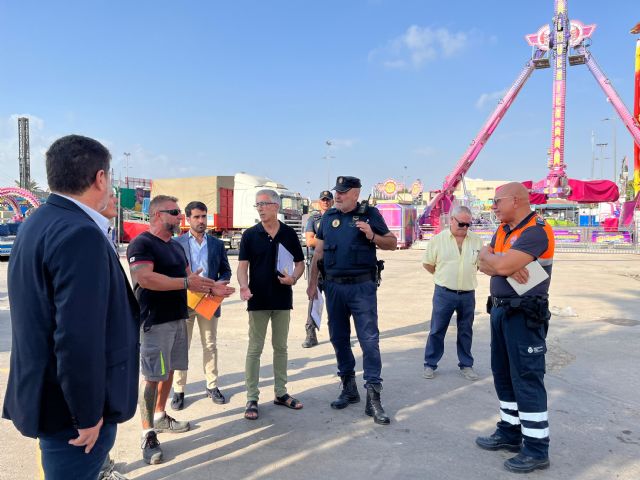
[[284, 262], [316, 309], [537, 275]]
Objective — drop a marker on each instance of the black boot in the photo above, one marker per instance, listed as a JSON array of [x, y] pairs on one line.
[[349, 393], [312, 339], [374, 405]]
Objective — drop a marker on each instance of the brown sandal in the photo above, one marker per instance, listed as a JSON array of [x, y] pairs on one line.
[[288, 401], [251, 410]]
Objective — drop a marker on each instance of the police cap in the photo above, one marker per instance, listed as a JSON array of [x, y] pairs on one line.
[[325, 194], [344, 184]]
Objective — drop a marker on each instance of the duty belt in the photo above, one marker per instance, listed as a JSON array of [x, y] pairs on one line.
[[365, 277], [502, 301]]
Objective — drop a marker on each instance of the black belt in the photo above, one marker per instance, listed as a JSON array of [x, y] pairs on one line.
[[365, 277], [459, 292]]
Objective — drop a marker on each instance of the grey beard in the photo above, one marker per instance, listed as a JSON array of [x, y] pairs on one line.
[[175, 229]]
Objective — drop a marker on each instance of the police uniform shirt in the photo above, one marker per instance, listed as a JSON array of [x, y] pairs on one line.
[[354, 254], [260, 250], [313, 224], [533, 241]]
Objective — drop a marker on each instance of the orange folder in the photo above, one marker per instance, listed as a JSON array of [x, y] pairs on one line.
[[204, 304]]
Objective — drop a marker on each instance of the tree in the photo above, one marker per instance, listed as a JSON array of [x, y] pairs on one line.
[[33, 185]]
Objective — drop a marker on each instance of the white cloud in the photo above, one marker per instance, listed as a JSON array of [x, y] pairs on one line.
[[420, 45], [343, 142], [489, 97], [425, 151], [146, 164]]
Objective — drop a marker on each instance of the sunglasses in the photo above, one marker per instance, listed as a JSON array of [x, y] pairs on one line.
[[495, 201], [173, 212], [264, 204], [462, 224]]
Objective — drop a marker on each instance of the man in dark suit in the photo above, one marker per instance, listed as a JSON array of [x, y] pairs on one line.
[[75, 321], [207, 253]]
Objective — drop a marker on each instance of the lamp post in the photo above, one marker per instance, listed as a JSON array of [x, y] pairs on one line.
[[126, 167], [613, 139], [328, 158]]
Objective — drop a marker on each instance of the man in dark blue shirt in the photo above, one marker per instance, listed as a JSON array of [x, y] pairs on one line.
[[519, 325], [346, 242]]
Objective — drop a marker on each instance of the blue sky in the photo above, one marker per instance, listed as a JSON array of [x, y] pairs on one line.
[[213, 88]]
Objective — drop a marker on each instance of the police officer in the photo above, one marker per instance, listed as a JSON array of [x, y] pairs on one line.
[[519, 327], [346, 242], [325, 202]]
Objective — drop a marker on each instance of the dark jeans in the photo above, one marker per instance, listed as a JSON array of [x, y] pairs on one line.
[[445, 303], [61, 461], [518, 366], [358, 300]]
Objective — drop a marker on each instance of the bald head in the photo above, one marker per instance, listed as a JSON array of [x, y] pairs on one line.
[[511, 203], [514, 189]]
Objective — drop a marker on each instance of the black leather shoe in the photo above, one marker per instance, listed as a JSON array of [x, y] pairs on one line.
[[525, 464], [215, 395], [497, 442], [177, 402]]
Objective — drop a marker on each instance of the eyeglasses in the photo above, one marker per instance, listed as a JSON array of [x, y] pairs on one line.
[[462, 224], [264, 204], [173, 212], [495, 201]]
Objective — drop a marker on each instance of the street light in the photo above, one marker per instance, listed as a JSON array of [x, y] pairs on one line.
[[328, 158], [615, 157], [126, 168]]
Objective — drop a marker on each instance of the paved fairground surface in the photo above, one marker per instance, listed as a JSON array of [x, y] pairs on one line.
[[593, 380]]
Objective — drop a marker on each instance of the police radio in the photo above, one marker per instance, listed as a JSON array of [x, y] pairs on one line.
[[364, 206]]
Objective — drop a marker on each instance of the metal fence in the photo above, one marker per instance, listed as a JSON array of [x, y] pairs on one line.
[[568, 239]]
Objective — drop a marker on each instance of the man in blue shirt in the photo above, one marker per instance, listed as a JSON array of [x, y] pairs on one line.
[[206, 254]]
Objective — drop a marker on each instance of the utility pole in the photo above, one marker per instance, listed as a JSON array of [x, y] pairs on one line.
[[601, 157], [613, 139], [593, 154]]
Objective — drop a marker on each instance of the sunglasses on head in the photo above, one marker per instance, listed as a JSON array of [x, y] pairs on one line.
[[462, 224], [173, 212]]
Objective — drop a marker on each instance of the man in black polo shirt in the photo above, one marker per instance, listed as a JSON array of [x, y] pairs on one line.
[[160, 272], [269, 297]]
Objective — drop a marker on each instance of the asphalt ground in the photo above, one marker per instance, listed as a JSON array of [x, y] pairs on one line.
[[592, 379]]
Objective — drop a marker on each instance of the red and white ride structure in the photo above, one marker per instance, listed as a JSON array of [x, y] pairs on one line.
[[564, 40]]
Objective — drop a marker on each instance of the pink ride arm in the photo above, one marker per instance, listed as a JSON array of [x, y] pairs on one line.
[[442, 201], [624, 114]]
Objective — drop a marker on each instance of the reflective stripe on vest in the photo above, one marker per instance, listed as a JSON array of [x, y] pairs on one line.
[[502, 246]]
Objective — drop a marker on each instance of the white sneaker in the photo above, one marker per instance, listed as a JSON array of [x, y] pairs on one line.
[[469, 374], [428, 373]]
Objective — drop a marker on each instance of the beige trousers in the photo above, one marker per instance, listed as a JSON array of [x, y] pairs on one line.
[[208, 334]]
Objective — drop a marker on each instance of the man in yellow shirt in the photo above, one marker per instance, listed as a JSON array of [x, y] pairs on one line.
[[451, 256]]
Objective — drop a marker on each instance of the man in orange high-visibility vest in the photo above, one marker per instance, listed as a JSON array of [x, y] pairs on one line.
[[519, 325]]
